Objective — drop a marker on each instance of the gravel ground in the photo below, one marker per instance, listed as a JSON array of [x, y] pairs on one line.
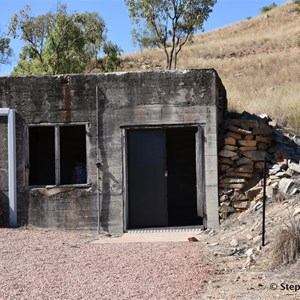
[[36, 264]]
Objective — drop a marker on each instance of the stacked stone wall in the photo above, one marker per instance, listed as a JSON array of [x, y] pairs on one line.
[[241, 161]]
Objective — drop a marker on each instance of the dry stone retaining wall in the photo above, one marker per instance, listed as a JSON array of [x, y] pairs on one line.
[[248, 140]]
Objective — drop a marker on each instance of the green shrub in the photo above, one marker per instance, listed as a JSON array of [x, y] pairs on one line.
[[265, 9]]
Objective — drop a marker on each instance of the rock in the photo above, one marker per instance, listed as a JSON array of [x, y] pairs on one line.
[[234, 135], [270, 192], [240, 205], [244, 161], [257, 239], [224, 198], [223, 168], [230, 141], [235, 186], [242, 175], [262, 146], [247, 143], [249, 137], [232, 180], [244, 169], [263, 139], [225, 203], [234, 242], [238, 196], [193, 239], [235, 122], [256, 206], [227, 192], [293, 166], [239, 130], [283, 175], [225, 211], [235, 158], [262, 129], [252, 193], [296, 212], [230, 147], [225, 161], [227, 153], [259, 165], [249, 123], [243, 149], [275, 169], [249, 237], [286, 185], [294, 191], [250, 258], [257, 155]]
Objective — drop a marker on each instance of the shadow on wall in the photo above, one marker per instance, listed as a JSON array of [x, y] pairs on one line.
[[4, 210], [105, 178]]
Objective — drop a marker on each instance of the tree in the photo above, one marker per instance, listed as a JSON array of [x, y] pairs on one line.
[[267, 8], [168, 24], [5, 50], [58, 43]]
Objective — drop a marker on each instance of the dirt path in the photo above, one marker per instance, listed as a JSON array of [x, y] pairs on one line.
[[36, 264]]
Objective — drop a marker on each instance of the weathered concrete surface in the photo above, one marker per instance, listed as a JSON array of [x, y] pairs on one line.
[[123, 100]]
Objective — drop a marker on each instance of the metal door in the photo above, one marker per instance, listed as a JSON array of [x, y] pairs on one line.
[[147, 184]]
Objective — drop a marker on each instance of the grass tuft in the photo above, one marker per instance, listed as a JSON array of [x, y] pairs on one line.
[[286, 249]]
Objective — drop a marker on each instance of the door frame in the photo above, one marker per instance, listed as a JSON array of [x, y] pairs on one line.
[[200, 166]]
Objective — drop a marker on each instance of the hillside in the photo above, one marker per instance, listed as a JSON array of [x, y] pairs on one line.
[[257, 59]]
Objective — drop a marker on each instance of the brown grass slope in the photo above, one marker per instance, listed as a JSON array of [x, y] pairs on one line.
[[257, 59]]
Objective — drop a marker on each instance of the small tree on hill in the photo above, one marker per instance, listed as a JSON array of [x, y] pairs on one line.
[[265, 9], [168, 24]]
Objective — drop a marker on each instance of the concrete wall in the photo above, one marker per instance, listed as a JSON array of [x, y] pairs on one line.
[[122, 100]]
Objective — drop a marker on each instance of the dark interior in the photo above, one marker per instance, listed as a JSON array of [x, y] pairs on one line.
[[181, 165], [72, 150], [162, 177], [41, 155]]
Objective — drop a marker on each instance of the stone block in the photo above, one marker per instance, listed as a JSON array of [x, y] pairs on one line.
[[244, 169], [225, 161], [239, 130], [286, 185], [257, 155], [244, 161], [263, 139], [230, 147], [262, 146], [230, 141], [247, 143], [227, 153], [234, 135], [243, 149], [249, 137]]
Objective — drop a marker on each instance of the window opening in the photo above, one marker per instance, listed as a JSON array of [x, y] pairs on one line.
[[57, 155]]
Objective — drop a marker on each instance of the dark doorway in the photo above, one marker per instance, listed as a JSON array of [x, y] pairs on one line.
[[181, 165], [162, 187]]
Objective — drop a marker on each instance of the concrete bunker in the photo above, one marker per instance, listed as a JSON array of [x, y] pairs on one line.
[[148, 142]]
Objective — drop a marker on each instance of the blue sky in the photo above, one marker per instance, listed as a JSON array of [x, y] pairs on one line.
[[115, 14]]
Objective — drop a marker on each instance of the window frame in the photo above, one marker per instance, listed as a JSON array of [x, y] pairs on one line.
[[57, 153]]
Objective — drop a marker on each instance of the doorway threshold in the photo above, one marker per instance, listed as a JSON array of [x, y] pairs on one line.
[[167, 229]]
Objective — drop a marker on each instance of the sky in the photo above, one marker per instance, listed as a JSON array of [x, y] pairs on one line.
[[115, 15]]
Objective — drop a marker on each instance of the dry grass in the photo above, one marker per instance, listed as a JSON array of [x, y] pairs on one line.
[[286, 249], [257, 59]]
